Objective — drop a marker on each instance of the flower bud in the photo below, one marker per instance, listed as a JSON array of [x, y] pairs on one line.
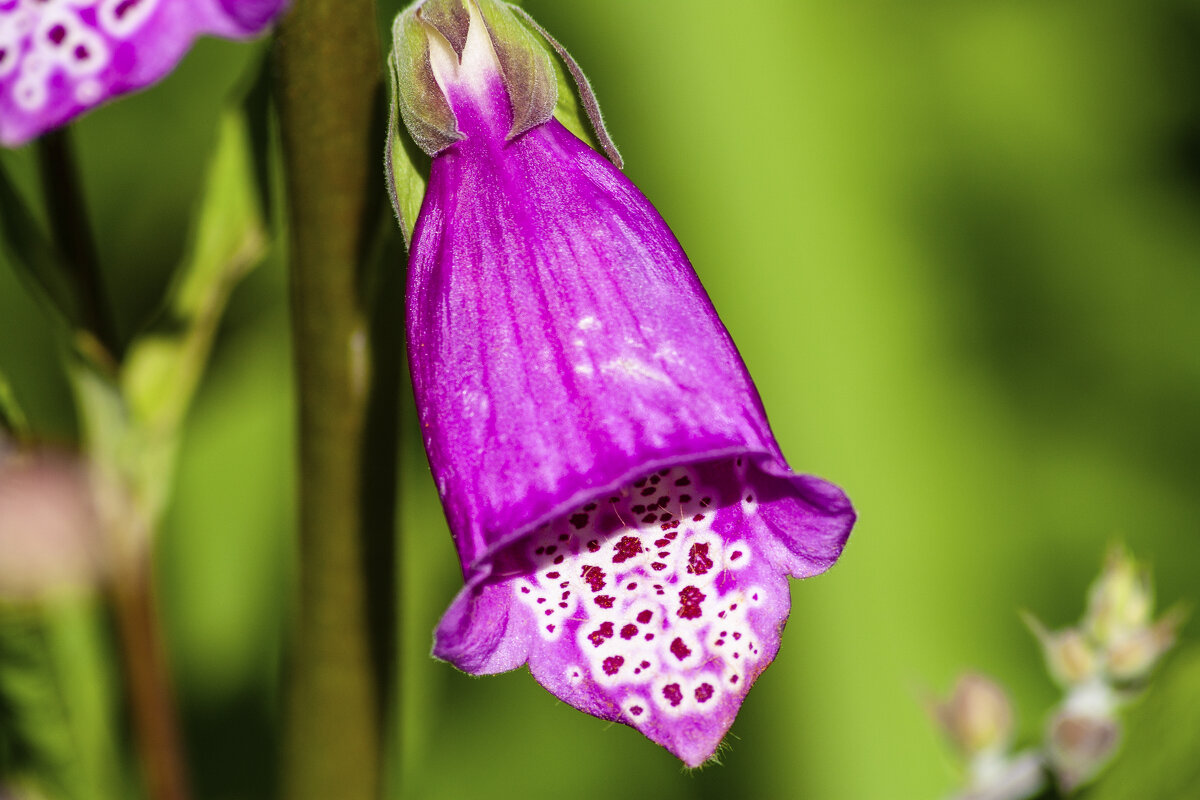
[[438, 77], [977, 717], [1120, 600], [48, 526], [1079, 744], [1069, 655], [1131, 656]]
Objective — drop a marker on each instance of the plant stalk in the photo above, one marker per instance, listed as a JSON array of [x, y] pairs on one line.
[[328, 72], [151, 700]]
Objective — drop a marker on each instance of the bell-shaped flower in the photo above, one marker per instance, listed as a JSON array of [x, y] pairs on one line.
[[59, 58], [624, 517]]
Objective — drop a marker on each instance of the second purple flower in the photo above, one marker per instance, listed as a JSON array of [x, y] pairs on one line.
[[624, 517]]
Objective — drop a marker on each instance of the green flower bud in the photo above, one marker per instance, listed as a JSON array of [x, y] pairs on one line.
[[1121, 599]]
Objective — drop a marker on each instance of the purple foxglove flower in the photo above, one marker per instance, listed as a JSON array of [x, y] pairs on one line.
[[624, 517], [59, 58]]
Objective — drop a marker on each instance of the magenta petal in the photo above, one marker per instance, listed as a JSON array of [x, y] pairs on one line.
[[59, 58], [624, 517]]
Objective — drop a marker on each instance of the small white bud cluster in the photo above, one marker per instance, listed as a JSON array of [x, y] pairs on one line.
[[1099, 663]]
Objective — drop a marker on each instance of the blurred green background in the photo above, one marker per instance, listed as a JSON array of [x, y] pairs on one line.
[[958, 244]]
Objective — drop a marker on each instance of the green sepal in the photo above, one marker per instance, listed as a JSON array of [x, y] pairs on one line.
[[415, 92], [405, 166], [527, 68], [575, 94]]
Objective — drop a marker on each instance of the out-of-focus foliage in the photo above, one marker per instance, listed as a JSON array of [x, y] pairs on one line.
[[1159, 758], [958, 244]]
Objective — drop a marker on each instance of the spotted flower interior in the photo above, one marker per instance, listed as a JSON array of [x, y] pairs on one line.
[[653, 606], [61, 57]]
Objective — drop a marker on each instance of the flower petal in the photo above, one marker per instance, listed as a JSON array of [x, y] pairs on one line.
[[59, 58], [561, 345], [657, 606], [624, 517]]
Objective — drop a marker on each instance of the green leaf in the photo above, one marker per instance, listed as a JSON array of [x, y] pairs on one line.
[[1158, 759], [12, 418], [228, 239], [36, 258]]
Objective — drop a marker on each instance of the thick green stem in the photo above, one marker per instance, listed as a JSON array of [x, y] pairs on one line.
[[328, 75]]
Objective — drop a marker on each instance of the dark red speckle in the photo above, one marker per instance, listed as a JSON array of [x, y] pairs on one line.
[[593, 576], [124, 8], [636, 710], [612, 664], [679, 649], [629, 631], [57, 34], [627, 548], [673, 694], [605, 601], [704, 692], [645, 617], [593, 546], [598, 636], [689, 602], [579, 520], [658, 566], [698, 561]]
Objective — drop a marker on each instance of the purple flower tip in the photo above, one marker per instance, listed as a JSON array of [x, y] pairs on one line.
[[624, 517], [59, 58]]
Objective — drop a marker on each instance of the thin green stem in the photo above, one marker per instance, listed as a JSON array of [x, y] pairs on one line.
[[72, 231], [328, 74]]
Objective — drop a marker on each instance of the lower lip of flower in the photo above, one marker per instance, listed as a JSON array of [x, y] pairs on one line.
[[654, 601]]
